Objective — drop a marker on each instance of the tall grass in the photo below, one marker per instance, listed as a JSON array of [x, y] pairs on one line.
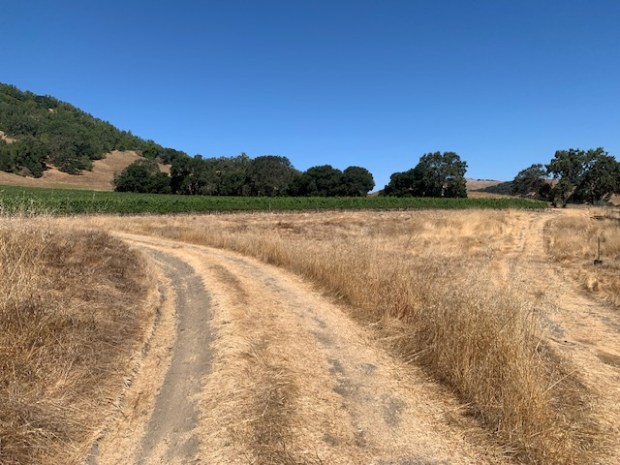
[[574, 241], [72, 313], [426, 281]]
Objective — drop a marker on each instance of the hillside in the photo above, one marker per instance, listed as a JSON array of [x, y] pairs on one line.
[[99, 178], [484, 189], [40, 132], [479, 184]]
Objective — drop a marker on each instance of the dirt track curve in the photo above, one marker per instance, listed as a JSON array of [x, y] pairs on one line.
[[257, 367], [262, 369]]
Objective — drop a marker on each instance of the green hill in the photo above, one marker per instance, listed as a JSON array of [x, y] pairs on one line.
[[40, 131]]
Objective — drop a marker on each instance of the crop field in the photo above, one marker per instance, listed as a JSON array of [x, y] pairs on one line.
[[68, 201]]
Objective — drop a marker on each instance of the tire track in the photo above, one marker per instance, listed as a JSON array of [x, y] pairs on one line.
[[169, 436]]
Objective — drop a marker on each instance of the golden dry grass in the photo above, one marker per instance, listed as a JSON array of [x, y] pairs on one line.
[[426, 282], [573, 241], [475, 189], [72, 315], [478, 184]]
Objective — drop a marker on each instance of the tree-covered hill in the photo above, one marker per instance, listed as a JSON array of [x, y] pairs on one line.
[[42, 130]]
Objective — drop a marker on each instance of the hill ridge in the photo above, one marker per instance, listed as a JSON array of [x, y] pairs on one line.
[[38, 132]]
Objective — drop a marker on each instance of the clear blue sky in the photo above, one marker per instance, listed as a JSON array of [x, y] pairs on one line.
[[376, 83]]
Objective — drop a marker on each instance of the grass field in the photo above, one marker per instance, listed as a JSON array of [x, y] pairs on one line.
[[73, 201], [475, 298], [445, 289]]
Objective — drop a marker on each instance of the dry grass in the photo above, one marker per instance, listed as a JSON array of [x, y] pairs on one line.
[[478, 184], [72, 313], [425, 281], [573, 241]]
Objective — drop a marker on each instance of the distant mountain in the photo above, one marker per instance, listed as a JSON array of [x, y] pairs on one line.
[[40, 133]]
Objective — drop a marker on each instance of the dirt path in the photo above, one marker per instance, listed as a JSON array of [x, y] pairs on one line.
[[169, 436], [584, 329], [292, 380]]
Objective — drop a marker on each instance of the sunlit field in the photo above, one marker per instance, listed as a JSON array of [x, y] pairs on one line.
[[431, 285], [457, 293]]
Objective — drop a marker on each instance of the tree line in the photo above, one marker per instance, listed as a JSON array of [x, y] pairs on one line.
[[436, 175], [571, 176], [265, 176], [48, 131]]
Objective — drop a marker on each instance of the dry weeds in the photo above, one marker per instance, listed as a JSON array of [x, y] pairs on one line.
[[425, 281], [573, 241], [72, 315]]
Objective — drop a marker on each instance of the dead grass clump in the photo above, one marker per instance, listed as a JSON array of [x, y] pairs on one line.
[[573, 242], [269, 417], [487, 345], [70, 319]]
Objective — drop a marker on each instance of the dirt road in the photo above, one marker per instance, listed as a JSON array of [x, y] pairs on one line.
[[252, 365], [262, 369]]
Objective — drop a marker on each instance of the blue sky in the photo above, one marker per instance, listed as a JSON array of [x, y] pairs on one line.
[[368, 82]]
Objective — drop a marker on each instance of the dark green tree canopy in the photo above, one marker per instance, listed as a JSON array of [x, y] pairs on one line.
[[26, 157], [356, 182], [270, 175], [583, 176], [436, 175], [210, 176], [401, 184], [142, 176], [530, 181], [321, 181]]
